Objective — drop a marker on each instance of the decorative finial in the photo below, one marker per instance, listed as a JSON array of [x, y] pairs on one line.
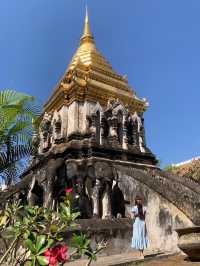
[[86, 14], [87, 34]]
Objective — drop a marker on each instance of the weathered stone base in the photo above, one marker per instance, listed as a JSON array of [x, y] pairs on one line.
[[171, 202], [189, 242], [116, 232]]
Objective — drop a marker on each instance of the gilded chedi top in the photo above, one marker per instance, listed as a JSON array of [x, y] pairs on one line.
[[90, 77]]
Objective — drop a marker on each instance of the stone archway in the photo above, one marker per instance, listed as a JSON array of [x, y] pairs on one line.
[[117, 202]]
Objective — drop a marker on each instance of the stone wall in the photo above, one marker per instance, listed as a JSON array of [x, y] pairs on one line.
[[110, 127], [116, 233]]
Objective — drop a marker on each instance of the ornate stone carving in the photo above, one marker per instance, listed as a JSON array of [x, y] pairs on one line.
[[93, 127], [125, 133], [46, 131], [137, 120], [139, 134], [112, 122], [116, 127], [57, 126], [88, 124]]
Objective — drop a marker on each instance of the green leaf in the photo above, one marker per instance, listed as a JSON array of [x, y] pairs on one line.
[[42, 260], [48, 245], [58, 238], [40, 242], [16, 129], [29, 244], [26, 234], [30, 210], [75, 215], [26, 220], [32, 236], [33, 262]]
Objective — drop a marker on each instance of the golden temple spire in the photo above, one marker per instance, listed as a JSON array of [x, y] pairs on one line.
[[87, 34]]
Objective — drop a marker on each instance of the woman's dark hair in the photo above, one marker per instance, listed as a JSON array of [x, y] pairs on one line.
[[140, 207]]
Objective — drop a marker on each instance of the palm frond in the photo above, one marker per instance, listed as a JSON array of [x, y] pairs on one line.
[[17, 111]]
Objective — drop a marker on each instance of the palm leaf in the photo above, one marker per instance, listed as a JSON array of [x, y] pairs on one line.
[[17, 111]]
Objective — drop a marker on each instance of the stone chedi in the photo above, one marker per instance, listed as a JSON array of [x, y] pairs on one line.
[[92, 118], [92, 138]]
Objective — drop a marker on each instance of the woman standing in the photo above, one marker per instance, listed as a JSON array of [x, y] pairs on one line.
[[139, 239]]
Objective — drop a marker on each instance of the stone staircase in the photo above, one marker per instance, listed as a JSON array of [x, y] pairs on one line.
[[183, 193]]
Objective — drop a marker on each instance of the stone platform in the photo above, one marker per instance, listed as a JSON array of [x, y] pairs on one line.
[[132, 259]]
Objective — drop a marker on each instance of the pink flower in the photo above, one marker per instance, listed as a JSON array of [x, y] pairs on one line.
[[69, 190], [63, 255], [57, 254], [55, 251], [52, 261], [47, 253], [51, 254]]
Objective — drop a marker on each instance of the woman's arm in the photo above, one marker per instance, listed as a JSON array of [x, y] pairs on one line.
[[134, 213]]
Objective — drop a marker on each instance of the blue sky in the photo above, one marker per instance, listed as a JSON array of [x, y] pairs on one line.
[[155, 42]]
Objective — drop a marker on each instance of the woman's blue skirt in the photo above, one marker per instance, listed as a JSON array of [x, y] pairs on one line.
[[139, 239]]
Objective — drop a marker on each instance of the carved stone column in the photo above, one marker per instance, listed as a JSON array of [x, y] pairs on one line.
[[141, 144], [135, 134], [57, 130], [106, 201], [93, 128], [48, 195], [102, 129], [30, 196], [104, 175], [143, 132], [46, 131], [95, 198], [136, 129], [125, 132], [52, 167]]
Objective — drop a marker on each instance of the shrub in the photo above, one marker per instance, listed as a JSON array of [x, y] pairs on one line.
[[38, 233]]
